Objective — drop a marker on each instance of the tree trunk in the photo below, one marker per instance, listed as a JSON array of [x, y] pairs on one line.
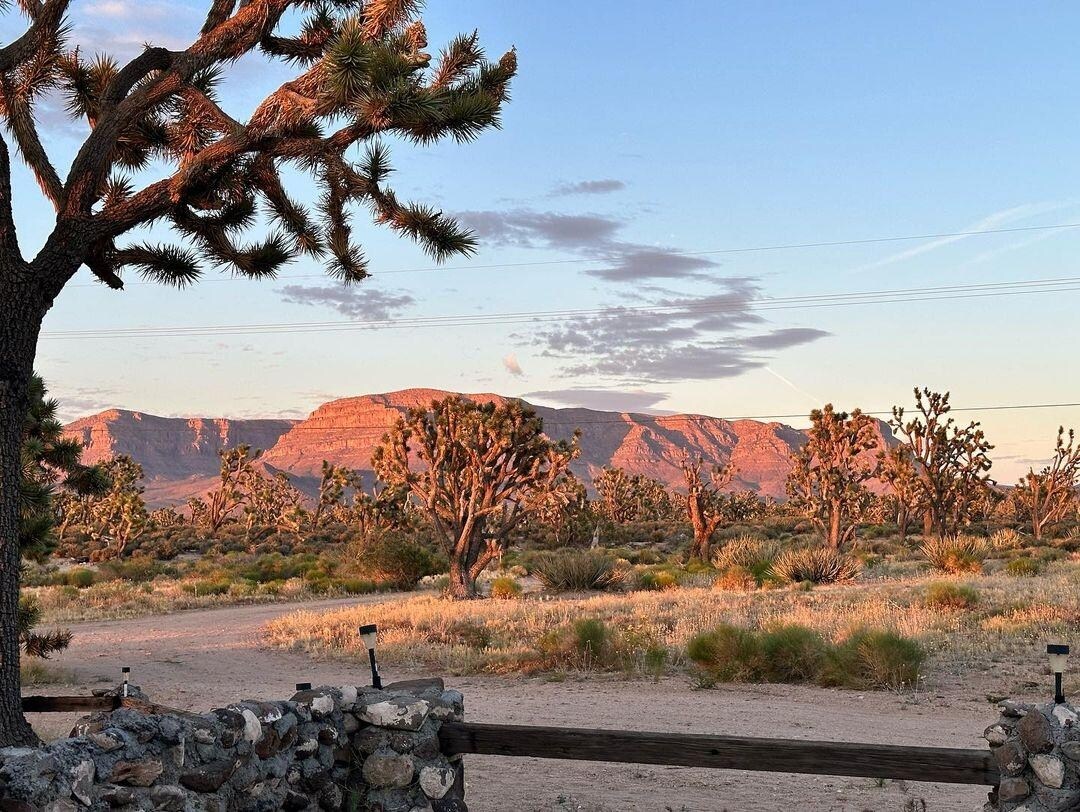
[[21, 315]]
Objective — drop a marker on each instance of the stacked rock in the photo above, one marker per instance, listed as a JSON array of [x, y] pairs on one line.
[[1037, 749], [328, 749]]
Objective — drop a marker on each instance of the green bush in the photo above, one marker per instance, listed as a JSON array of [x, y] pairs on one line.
[[792, 654], [393, 558], [726, 654], [1023, 567], [574, 571], [590, 637], [655, 580], [947, 595], [505, 588], [202, 588], [819, 565], [796, 654], [80, 577], [874, 659]]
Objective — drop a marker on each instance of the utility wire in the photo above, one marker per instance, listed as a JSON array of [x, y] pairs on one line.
[[723, 303], [713, 251]]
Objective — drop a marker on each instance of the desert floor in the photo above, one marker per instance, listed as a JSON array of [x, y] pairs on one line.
[[203, 659]]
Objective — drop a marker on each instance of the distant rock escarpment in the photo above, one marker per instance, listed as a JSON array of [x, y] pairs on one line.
[[179, 455]]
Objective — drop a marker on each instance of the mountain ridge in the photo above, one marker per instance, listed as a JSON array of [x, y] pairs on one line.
[[179, 455]]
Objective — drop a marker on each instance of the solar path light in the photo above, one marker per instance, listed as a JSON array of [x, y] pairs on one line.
[[369, 635], [126, 671], [1059, 657]]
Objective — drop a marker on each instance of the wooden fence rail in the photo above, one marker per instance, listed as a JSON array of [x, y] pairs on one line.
[[938, 764], [69, 704]]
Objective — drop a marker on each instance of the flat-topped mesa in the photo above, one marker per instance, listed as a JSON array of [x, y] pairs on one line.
[[327, 748], [180, 459]]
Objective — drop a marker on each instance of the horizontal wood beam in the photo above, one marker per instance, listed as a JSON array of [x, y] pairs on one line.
[[69, 704], [937, 764]]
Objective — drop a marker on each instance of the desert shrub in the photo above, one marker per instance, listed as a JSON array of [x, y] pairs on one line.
[[874, 659], [955, 555], [749, 552], [590, 637], [792, 654], [574, 571], [655, 580], [79, 577], [726, 654], [392, 558], [350, 586], [1005, 539], [735, 579], [205, 587], [470, 633], [505, 588], [819, 565], [1023, 567], [947, 595]]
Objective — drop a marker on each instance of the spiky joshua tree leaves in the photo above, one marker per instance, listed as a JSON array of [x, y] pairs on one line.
[[828, 481], [474, 468], [360, 71]]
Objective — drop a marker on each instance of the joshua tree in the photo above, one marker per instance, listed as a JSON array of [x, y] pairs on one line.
[[1045, 497], [361, 71], [951, 462], [898, 470], [623, 497], [473, 468], [335, 482], [705, 502], [118, 516], [828, 482]]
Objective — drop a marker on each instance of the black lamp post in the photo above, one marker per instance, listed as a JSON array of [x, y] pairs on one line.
[[369, 634], [1059, 656]]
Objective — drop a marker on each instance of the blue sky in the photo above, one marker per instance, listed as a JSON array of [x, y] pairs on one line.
[[638, 132]]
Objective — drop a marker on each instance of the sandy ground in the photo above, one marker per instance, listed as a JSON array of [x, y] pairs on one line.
[[204, 659]]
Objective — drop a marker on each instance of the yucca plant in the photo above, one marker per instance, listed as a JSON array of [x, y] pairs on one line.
[[955, 554], [818, 565], [577, 571]]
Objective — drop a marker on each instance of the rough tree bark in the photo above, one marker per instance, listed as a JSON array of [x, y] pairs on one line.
[[21, 314]]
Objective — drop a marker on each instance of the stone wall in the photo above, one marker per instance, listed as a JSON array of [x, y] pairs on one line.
[[1037, 749], [325, 749]]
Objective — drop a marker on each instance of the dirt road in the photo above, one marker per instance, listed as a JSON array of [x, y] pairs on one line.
[[204, 659]]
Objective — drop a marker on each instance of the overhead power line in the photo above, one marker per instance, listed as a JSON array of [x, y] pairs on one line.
[[708, 305], [677, 418], [707, 252]]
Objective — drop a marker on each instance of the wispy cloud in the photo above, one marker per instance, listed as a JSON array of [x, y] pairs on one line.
[[511, 365], [593, 236], [672, 339], [999, 219], [603, 186], [356, 302], [617, 400]]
